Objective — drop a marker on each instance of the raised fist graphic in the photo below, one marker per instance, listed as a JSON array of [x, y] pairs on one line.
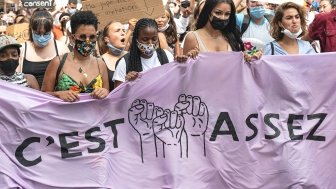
[[195, 114], [141, 115], [168, 127]]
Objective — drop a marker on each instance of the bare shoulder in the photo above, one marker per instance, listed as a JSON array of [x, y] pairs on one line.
[[190, 42], [190, 36]]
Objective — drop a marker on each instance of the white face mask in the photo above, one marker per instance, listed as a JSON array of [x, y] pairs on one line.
[[146, 49], [292, 35], [164, 28]]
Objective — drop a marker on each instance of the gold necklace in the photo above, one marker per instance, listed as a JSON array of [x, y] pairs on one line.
[[81, 70]]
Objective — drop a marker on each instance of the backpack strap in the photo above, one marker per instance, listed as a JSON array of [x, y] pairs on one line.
[[245, 24], [247, 20], [272, 48], [60, 66], [56, 47], [162, 56]]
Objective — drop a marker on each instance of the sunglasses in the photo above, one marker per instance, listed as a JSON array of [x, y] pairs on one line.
[[83, 37]]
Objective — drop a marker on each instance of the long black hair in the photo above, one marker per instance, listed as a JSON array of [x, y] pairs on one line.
[[135, 61], [230, 32]]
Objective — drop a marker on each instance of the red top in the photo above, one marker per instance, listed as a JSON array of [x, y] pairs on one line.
[[323, 29]]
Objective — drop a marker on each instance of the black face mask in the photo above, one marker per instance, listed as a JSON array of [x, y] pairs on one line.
[[219, 24], [9, 66]]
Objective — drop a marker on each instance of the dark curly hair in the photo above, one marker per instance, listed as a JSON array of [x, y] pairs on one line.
[[83, 18]]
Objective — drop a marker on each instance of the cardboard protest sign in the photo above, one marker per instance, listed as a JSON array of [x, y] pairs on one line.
[[37, 3], [123, 10], [19, 32]]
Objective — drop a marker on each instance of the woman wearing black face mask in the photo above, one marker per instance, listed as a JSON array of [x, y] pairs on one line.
[[215, 29], [79, 71], [9, 61]]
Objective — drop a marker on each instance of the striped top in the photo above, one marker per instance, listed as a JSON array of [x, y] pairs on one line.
[[18, 78], [304, 48]]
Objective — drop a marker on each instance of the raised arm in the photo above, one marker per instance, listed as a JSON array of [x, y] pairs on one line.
[[237, 2]]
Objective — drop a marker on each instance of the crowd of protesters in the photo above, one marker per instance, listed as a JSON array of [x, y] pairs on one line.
[[67, 55]]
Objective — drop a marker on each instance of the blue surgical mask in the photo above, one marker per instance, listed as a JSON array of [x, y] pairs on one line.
[[269, 12], [116, 51], [72, 11], [257, 12], [41, 40]]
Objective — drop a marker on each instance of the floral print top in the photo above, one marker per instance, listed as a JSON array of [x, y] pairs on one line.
[[67, 83]]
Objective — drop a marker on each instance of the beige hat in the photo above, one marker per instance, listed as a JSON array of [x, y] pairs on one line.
[[6, 41]]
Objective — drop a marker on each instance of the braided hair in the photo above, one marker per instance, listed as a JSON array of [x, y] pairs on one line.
[[135, 61]]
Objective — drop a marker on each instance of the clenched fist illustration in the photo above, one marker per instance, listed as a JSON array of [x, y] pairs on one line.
[[195, 114], [168, 127], [141, 115]]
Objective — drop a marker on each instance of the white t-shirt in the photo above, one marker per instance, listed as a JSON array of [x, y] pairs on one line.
[[147, 64]]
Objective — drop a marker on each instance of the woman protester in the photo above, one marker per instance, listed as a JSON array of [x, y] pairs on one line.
[[168, 33], [78, 72], [63, 19], [145, 52], [323, 29], [41, 47], [9, 61], [287, 26], [112, 47], [215, 30], [327, 6]]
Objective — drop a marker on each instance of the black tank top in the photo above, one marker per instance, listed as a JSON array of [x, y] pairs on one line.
[[37, 69], [110, 76]]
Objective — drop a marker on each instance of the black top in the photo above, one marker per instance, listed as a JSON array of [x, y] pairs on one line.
[[110, 77], [37, 69]]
